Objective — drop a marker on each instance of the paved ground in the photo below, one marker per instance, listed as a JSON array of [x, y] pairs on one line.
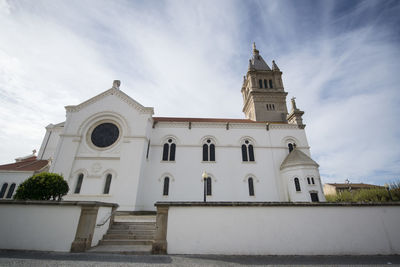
[[29, 258]]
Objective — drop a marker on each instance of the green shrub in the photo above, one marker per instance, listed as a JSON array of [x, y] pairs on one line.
[[42, 186]]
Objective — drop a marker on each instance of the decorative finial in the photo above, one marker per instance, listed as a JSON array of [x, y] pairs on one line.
[[254, 45], [274, 66], [294, 103], [116, 84], [34, 152]]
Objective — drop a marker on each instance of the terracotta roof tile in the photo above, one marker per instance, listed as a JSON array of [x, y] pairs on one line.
[[26, 165], [177, 119]]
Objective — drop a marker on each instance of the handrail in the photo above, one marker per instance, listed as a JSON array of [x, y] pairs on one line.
[[111, 214]]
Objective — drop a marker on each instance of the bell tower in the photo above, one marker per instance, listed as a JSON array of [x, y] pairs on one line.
[[264, 98]]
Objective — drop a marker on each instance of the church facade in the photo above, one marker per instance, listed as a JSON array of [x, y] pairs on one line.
[[111, 148]]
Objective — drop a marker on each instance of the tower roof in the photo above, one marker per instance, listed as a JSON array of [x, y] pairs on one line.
[[257, 62], [296, 158]]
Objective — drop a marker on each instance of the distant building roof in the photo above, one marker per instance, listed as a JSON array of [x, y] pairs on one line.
[[25, 164], [354, 186]]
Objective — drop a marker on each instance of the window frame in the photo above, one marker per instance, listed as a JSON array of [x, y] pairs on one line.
[[297, 184], [169, 150], [3, 190], [166, 182], [79, 182], [208, 150], [107, 184], [250, 182]]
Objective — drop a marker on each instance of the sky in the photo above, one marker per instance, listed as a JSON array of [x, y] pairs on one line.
[[340, 59]]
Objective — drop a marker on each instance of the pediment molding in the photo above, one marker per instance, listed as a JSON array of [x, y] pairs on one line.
[[116, 92]]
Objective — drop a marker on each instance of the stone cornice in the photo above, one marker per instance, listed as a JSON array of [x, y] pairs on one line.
[[272, 204], [124, 97], [58, 203]]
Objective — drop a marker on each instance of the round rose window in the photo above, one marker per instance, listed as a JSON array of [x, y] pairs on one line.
[[105, 135]]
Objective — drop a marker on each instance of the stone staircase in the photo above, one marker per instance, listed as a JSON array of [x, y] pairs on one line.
[[129, 234]]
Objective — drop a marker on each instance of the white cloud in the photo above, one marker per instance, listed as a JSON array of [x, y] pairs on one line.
[[187, 58]]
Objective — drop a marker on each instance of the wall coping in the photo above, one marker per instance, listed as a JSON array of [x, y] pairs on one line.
[[58, 203], [272, 204]]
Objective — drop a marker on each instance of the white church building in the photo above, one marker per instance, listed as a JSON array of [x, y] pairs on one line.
[[110, 148]]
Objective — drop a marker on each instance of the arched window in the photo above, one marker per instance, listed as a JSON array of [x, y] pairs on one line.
[[3, 190], [260, 83], [308, 180], [251, 186], [107, 184], [270, 84], [247, 151], [166, 186], [297, 184], [209, 151], [290, 146], [265, 84], [79, 184], [11, 191], [169, 151], [209, 186], [312, 180]]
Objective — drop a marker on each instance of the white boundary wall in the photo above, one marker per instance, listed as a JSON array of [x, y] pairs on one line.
[[50, 226], [284, 230], [38, 227]]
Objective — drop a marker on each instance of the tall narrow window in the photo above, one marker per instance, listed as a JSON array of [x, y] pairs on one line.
[[165, 152], [290, 146], [308, 180], [205, 152], [251, 186], [209, 151], [297, 184], [79, 184], [3, 190], [209, 186], [260, 83], [107, 184], [270, 84], [148, 148], [212, 152], [166, 186], [312, 180], [172, 152], [11, 190], [247, 151], [169, 149], [265, 84], [244, 153]]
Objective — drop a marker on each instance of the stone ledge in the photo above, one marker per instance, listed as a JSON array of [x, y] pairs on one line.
[[58, 203], [272, 204]]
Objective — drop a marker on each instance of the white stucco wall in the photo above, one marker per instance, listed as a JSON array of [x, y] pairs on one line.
[[137, 181], [229, 172], [102, 216], [38, 227], [280, 230]]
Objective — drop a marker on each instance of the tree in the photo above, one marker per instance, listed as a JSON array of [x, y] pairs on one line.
[[43, 186]]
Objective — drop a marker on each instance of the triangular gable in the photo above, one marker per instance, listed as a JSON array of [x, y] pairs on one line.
[[297, 158], [113, 91]]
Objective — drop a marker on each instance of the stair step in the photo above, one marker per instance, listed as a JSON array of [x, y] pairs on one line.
[[133, 228], [122, 249], [125, 242], [135, 222], [129, 236], [130, 232]]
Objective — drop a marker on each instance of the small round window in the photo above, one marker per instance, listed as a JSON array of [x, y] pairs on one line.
[[105, 134]]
